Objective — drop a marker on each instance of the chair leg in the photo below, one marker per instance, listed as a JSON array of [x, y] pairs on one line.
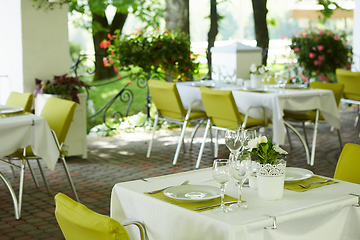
[[203, 144], [21, 186], [43, 177], [340, 141], [32, 174], [314, 139], [180, 142], [357, 116], [306, 147], [69, 178], [12, 168], [288, 135], [304, 129], [194, 132], [13, 196], [152, 136], [216, 145]]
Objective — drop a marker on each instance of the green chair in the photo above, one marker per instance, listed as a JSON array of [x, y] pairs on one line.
[[348, 165], [222, 112], [351, 81], [78, 222], [169, 108], [314, 116], [58, 114], [24, 100]]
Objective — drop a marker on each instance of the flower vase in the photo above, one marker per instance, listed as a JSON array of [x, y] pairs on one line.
[[256, 80], [270, 180]]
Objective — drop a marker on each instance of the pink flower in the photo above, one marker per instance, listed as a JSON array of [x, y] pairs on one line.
[[131, 83], [106, 62], [320, 47], [283, 37], [321, 58], [115, 69], [322, 32], [311, 55], [317, 63], [324, 78], [304, 78], [336, 37], [111, 61], [296, 49]]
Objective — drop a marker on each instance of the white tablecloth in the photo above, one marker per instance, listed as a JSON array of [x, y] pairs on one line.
[[275, 100], [322, 213], [28, 130]]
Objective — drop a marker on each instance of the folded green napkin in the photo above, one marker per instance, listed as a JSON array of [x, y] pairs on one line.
[[294, 186], [191, 205]]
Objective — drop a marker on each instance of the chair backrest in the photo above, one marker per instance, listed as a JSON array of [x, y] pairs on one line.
[[348, 165], [220, 106], [24, 100], [351, 81], [59, 114], [78, 222], [337, 89], [166, 99]]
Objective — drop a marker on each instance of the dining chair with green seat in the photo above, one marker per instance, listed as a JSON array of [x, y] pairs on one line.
[[348, 165], [351, 81], [58, 114], [169, 107], [76, 222], [23, 100], [314, 116], [222, 112]]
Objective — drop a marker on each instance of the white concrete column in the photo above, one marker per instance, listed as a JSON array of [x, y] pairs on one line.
[[356, 37], [33, 44]]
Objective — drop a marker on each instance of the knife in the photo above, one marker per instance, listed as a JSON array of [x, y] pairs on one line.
[[214, 205]]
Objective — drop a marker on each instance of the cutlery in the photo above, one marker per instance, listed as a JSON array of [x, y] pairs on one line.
[[214, 205], [307, 186], [159, 190]]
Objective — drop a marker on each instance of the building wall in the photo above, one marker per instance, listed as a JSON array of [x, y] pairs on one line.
[[356, 37]]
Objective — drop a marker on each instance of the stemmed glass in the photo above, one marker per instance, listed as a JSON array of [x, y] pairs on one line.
[[221, 174], [233, 140], [240, 170]]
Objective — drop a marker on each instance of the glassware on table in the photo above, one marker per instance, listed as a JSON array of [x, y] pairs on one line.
[[240, 170], [221, 174], [233, 141]]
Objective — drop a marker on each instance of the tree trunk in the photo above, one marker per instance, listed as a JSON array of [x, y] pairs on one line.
[[177, 15], [99, 35], [261, 30], [212, 33]]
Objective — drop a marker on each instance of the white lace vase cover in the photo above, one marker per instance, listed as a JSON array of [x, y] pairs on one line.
[[270, 180], [256, 80]]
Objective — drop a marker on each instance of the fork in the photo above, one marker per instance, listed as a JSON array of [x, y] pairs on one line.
[[307, 186], [162, 189]]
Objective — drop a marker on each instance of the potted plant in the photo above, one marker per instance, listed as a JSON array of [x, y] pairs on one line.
[[257, 74], [270, 172], [319, 52], [65, 86]]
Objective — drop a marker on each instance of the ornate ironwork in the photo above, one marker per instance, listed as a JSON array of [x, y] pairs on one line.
[[125, 95]]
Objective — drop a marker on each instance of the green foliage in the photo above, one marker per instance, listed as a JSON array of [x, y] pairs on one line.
[[266, 151], [320, 52], [154, 53]]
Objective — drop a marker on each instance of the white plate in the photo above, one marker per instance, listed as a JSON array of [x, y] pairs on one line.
[[193, 193], [293, 174], [11, 110]]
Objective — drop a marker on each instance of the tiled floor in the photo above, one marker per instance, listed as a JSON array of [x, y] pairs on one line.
[[112, 160]]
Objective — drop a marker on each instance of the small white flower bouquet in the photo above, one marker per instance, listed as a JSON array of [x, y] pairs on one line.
[[266, 151], [259, 70]]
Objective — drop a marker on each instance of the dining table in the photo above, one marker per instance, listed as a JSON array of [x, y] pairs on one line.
[[325, 211], [271, 99], [20, 129]]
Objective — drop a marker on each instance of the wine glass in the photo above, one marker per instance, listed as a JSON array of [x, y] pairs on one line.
[[240, 170], [233, 140], [221, 174]]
